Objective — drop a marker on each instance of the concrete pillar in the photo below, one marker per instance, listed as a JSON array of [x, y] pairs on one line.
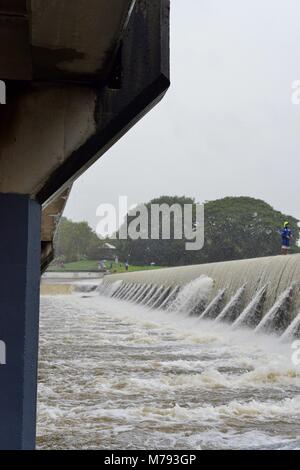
[[19, 318]]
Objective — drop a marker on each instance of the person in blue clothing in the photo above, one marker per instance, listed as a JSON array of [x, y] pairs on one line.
[[286, 235]]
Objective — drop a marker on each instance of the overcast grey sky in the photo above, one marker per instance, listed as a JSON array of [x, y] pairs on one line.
[[226, 127]]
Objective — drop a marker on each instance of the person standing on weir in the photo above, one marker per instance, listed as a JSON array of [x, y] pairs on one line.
[[286, 235]]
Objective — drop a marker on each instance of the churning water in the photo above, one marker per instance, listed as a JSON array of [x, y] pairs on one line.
[[114, 374]]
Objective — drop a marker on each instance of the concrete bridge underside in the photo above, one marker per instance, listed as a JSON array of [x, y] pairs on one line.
[[79, 74]]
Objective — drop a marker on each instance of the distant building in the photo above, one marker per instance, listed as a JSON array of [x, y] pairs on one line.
[[108, 252]]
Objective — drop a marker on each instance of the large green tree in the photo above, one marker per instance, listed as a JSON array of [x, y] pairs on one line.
[[235, 228], [75, 241]]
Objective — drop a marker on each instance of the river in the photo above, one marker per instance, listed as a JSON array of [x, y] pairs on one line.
[[115, 375]]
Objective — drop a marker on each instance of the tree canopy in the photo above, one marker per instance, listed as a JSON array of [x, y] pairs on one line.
[[235, 228], [76, 241]]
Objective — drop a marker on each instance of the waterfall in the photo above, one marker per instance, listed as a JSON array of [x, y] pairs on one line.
[[214, 308], [165, 293], [171, 297], [293, 331], [252, 314], [232, 310], [193, 294], [139, 292], [120, 290], [109, 288], [129, 292], [149, 295], [144, 293], [277, 319], [155, 296], [244, 293], [133, 292]]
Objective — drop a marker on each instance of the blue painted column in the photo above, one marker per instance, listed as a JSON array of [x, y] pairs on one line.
[[20, 221]]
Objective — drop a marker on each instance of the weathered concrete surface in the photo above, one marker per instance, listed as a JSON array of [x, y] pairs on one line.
[[15, 55], [76, 39], [72, 275], [276, 272], [50, 219], [60, 39], [41, 129], [82, 73]]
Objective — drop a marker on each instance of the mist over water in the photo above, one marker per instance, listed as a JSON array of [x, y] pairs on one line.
[[116, 375]]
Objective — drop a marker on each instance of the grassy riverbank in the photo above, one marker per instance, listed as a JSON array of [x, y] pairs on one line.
[[81, 266]]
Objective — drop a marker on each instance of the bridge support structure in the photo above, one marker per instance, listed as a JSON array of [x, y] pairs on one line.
[[19, 319]]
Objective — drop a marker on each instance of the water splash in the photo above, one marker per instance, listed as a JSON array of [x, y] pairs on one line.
[[252, 314], [215, 307], [232, 310], [192, 299], [129, 292], [139, 293], [193, 294], [119, 290], [144, 293], [163, 296], [293, 331], [108, 289], [174, 385], [278, 318], [150, 294], [122, 292], [155, 296], [171, 298], [133, 293]]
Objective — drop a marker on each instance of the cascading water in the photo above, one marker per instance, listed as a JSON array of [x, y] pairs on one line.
[[252, 315], [147, 374], [199, 298], [278, 317], [293, 331], [118, 294], [232, 310], [129, 292], [170, 298], [109, 289], [138, 293], [144, 293], [119, 290], [156, 295], [133, 292], [163, 296], [193, 294], [215, 306], [149, 296]]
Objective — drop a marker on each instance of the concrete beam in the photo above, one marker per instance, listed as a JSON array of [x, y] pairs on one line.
[[51, 133], [76, 40], [15, 53], [73, 41], [40, 127], [139, 80]]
